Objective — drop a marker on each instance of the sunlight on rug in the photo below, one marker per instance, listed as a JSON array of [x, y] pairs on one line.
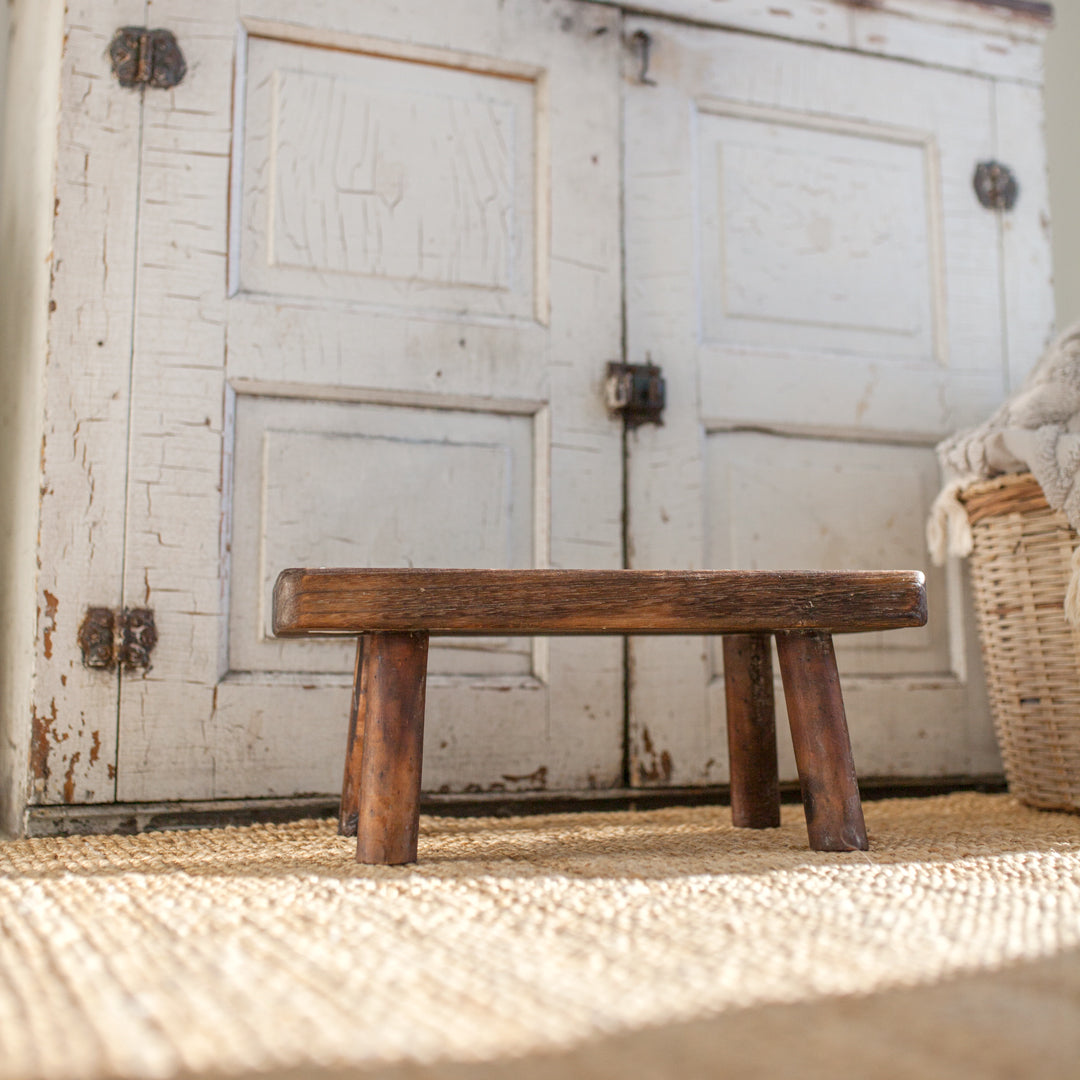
[[267, 948]]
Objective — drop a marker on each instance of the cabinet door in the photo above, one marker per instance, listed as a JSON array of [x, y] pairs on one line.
[[807, 261], [378, 277]]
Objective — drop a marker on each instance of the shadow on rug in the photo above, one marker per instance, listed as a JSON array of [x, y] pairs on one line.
[[1023, 1022]]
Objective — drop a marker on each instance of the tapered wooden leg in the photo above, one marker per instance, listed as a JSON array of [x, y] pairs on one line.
[[393, 681], [354, 749], [830, 792], [751, 731]]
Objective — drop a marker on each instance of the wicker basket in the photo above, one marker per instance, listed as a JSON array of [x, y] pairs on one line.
[[1020, 564]]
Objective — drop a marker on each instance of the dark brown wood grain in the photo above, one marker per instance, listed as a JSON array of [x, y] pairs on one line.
[[819, 732], [354, 748], [482, 602], [394, 678], [751, 731]]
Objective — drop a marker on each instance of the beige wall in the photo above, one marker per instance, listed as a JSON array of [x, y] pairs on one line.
[[1063, 154]]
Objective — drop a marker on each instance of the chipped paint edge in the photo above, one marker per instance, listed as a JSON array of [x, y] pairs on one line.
[[26, 230], [1001, 40]]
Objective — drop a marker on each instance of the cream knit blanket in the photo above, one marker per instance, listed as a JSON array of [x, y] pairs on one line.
[[1036, 430]]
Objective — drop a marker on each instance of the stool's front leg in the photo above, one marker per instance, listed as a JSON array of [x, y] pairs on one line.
[[819, 732], [751, 731], [392, 686]]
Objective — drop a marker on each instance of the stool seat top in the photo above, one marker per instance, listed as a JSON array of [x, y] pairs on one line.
[[319, 601]]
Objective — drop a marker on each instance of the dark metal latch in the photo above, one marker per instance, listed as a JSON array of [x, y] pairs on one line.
[[636, 392]]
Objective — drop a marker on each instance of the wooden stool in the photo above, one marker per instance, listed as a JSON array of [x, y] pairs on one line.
[[393, 612]]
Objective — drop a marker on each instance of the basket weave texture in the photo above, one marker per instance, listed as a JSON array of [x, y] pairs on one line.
[[1021, 563]]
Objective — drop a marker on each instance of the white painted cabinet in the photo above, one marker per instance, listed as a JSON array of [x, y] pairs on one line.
[[824, 292], [346, 294]]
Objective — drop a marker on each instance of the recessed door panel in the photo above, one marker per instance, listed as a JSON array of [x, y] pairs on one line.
[[354, 484], [818, 234], [391, 179], [829, 504]]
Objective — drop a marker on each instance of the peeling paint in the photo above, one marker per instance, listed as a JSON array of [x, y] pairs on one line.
[[40, 733], [864, 402], [659, 769], [536, 780], [95, 747], [51, 604], [69, 777]]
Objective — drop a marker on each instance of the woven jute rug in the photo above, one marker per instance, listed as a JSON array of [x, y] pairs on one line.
[[653, 944]]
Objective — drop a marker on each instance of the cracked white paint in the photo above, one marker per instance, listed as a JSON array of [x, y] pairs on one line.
[[382, 179], [479, 279], [825, 294], [381, 384]]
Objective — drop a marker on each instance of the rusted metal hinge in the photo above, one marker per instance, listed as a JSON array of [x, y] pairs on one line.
[[142, 57], [110, 638]]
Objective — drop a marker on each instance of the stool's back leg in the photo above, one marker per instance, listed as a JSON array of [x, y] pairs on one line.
[[751, 731], [394, 680], [354, 748], [830, 792]]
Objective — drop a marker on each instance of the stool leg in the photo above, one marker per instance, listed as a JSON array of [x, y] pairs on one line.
[[830, 792], [393, 684], [751, 731], [354, 748]]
